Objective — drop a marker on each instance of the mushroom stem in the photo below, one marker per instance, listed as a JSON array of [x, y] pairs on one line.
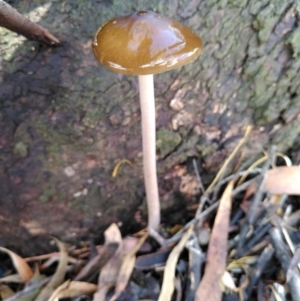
[[149, 148]]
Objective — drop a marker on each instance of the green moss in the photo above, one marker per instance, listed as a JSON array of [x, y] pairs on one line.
[[166, 141], [80, 204], [192, 145], [287, 136], [267, 18], [211, 3], [206, 149], [293, 40], [56, 139], [237, 3], [92, 118], [48, 192], [60, 136], [20, 149], [256, 6], [222, 3], [253, 67], [53, 151], [87, 202]]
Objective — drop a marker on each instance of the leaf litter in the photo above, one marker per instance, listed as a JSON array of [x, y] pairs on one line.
[[23, 269], [242, 244]]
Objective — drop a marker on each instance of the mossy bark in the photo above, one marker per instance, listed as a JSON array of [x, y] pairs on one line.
[[65, 121]]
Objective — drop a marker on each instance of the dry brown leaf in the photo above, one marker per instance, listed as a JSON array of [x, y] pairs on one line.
[[279, 180], [58, 290], [129, 242], [20, 265], [95, 264], [84, 287], [5, 291], [210, 288], [73, 289], [14, 278], [33, 287], [59, 275], [55, 257], [227, 281], [167, 288], [127, 268], [30, 291], [109, 272], [283, 180], [123, 277]]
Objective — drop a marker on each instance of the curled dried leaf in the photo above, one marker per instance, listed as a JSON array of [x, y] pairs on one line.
[[169, 274], [127, 268], [283, 180], [228, 281], [72, 289], [59, 274], [5, 291], [20, 265], [109, 272], [210, 288]]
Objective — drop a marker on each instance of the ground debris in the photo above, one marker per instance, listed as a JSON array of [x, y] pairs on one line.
[[250, 219]]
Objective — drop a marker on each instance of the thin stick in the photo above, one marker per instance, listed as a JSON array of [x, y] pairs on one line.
[[198, 177], [228, 160], [250, 218], [11, 19]]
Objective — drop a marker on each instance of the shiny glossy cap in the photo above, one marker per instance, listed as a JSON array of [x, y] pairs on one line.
[[145, 43]]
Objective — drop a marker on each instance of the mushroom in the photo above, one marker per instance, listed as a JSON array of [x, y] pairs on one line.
[[144, 43]]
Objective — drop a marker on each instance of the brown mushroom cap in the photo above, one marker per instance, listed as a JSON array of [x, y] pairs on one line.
[[145, 43]]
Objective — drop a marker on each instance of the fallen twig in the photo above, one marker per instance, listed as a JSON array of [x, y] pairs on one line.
[[250, 218], [285, 259], [11, 19]]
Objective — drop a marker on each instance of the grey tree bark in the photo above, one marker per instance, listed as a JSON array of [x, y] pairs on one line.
[[66, 121]]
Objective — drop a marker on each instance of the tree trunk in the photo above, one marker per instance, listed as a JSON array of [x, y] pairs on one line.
[[66, 121]]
